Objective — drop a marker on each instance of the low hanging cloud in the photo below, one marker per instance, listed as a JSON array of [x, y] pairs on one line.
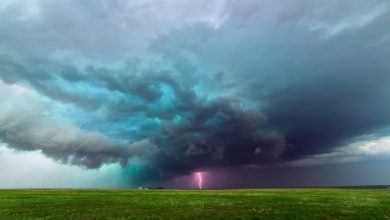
[[210, 84], [26, 126]]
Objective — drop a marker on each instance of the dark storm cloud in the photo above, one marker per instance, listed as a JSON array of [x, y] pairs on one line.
[[324, 113], [319, 87], [224, 84], [191, 132]]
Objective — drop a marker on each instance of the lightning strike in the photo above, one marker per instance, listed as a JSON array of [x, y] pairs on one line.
[[199, 176]]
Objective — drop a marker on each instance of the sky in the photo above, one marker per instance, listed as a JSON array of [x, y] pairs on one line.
[[254, 93]]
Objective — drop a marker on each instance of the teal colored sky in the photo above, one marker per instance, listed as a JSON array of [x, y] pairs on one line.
[[251, 93]]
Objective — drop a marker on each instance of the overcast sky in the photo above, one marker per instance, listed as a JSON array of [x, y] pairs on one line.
[[251, 93]]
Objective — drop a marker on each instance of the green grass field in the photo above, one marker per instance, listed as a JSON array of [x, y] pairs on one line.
[[207, 204]]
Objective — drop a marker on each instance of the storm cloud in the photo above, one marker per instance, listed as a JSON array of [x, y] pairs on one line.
[[181, 86]]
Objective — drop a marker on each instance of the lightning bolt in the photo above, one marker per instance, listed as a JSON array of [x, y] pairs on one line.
[[199, 176]]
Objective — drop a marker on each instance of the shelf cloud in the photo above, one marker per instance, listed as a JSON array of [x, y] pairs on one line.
[[169, 88]]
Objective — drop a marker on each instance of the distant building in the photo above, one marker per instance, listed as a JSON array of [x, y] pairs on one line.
[[159, 187]]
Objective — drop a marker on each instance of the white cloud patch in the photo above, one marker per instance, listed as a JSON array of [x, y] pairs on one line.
[[215, 14], [32, 169], [347, 19]]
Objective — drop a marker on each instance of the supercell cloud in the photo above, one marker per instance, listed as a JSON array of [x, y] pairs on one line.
[[169, 88]]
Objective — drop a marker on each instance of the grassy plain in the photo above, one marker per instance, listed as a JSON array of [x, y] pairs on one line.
[[349, 203]]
